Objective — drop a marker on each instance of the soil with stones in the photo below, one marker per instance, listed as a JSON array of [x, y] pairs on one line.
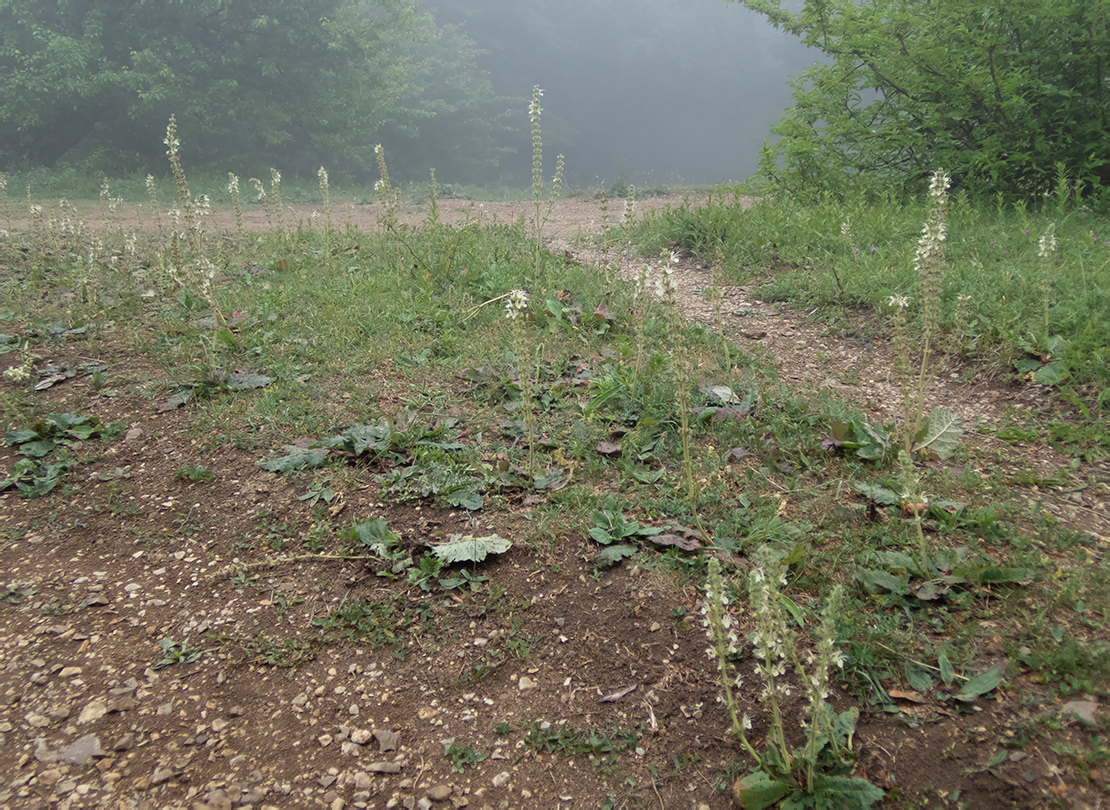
[[151, 657]]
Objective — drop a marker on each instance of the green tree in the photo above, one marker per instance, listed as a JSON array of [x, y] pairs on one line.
[[1001, 94], [250, 81], [453, 121]]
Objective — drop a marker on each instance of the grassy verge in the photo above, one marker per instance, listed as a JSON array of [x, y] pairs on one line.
[[1002, 301]]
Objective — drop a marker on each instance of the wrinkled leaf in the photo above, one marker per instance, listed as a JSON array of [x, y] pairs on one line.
[[942, 434], [918, 678], [368, 437], [722, 393], [375, 534], [880, 495], [932, 590], [735, 454], [37, 449], [552, 479], [1019, 576], [875, 581], [1050, 374], [18, 436], [614, 554], [468, 499], [461, 548], [175, 401], [601, 536], [684, 543], [239, 381], [295, 461]]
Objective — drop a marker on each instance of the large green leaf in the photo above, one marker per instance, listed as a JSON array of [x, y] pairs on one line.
[[845, 793], [242, 380], [981, 684], [614, 554], [470, 499], [376, 535], [880, 495], [758, 790], [295, 461], [875, 581], [461, 548], [943, 433], [19, 436]]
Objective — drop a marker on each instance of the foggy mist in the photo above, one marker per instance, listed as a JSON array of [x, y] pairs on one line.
[[642, 91], [659, 92]]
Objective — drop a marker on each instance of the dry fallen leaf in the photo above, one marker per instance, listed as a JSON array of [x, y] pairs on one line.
[[615, 696], [913, 697]]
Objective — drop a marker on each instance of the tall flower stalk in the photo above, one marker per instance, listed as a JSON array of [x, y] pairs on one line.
[[236, 203], [325, 198], [929, 264], [516, 305], [387, 195], [5, 204], [152, 195], [534, 113], [184, 197], [1046, 249], [666, 287], [639, 317], [279, 205]]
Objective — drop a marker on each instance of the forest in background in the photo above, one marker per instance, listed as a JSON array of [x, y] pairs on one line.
[[681, 90], [880, 92]]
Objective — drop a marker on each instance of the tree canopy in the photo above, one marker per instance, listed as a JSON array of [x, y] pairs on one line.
[[296, 82], [1003, 95]]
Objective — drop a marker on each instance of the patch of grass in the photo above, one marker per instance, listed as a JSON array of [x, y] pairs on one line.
[[394, 622], [571, 742], [994, 263], [198, 473], [262, 649]]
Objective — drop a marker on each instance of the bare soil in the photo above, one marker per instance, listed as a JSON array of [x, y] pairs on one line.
[[97, 586]]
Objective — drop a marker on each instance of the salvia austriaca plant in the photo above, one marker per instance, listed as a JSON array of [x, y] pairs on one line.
[[279, 205], [263, 200], [152, 195], [184, 197], [666, 286], [5, 205], [325, 198], [940, 432], [389, 196], [236, 203], [1046, 249], [541, 216], [194, 211], [817, 768], [516, 305]]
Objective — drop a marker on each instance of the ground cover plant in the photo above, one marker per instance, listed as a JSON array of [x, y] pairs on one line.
[[299, 513]]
